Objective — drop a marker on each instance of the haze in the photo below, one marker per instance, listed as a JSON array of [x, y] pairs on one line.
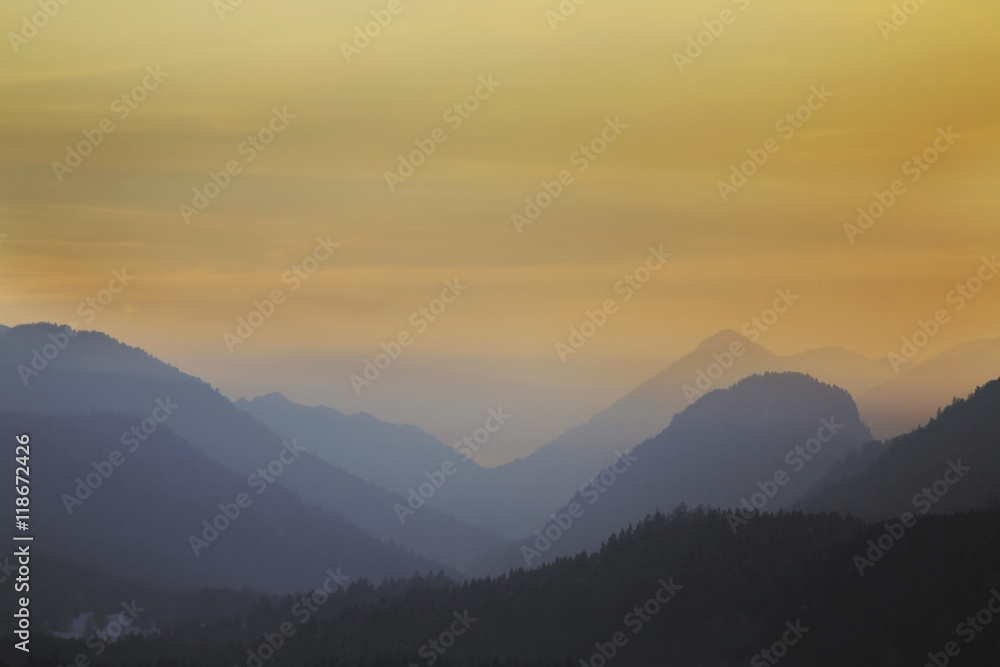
[[655, 185]]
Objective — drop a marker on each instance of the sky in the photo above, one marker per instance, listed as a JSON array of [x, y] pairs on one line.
[[620, 100]]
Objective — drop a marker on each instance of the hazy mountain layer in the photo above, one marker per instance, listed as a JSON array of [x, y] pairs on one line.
[[951, 464], [95, 372], [159, 512], [909, 399], [759, 445]]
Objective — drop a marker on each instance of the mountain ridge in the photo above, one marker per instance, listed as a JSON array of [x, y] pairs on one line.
[[92, 371]]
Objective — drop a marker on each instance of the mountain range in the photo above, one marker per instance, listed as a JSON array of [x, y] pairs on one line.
[[758, 445], [513, 499], [166, 515], [94, 373], [713, 428]]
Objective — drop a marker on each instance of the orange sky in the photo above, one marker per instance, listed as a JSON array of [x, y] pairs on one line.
[[323, 175]]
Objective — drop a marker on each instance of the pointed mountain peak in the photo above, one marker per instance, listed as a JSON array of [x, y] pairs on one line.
[[722, 339]]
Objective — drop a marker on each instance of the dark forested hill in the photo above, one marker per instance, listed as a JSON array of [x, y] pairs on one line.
[[952, 463], [679, 591]]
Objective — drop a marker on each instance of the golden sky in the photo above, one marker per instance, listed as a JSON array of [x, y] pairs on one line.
[[656, 184]]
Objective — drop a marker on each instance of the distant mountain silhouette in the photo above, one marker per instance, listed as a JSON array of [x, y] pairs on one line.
[[714, 453], [907, 400], [511, 499], [966, 434], [842, 368], [477, 511], [548, 477], [392, 456], [96, 373], [134, 519], [400, 459]]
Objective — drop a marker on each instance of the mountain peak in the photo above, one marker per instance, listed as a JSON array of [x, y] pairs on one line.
[[275, 398], [721, 339]]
